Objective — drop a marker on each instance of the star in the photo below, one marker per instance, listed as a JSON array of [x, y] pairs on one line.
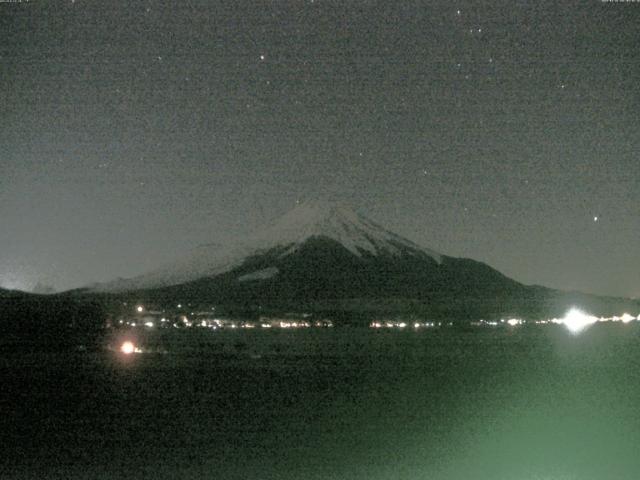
[[595, 219], [262, 57]]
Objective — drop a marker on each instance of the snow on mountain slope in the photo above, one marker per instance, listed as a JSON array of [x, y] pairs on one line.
[[337, 222], [314, 219], [259, 275]]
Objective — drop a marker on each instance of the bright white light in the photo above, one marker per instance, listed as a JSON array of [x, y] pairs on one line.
[[127, 348], [514, 321], [140, 308], [149, 324], [576, 320], [626, 318]]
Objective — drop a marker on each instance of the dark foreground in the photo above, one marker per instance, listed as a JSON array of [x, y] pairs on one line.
[[527, 403]]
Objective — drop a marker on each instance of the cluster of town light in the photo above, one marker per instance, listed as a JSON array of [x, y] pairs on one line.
[[401, 324], [152, 319], [575, 321]]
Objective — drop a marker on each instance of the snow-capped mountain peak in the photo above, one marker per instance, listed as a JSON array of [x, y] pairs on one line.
[[337, 222], [322, 219]]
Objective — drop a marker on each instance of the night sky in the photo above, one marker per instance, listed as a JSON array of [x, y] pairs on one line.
[[507, 132]]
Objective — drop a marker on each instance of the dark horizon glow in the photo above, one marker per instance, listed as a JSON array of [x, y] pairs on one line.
[[500, 131]]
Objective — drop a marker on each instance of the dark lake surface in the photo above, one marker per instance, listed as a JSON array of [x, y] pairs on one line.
[[522, 403]]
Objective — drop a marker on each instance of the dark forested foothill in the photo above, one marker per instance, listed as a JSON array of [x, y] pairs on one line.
[[49, 321]]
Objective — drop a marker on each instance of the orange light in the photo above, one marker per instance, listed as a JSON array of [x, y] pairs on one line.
[[127, 348]]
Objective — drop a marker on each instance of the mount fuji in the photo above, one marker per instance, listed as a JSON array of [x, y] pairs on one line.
[[324, 257], [308, 222]]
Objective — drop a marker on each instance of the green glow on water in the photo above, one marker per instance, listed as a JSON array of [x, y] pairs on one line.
[[523, 403]]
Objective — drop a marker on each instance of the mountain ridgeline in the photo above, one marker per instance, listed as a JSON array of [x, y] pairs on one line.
[[324, 259]]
